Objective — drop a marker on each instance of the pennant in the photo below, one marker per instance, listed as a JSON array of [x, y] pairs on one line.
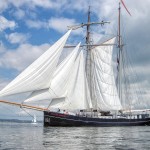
[[125, 7]]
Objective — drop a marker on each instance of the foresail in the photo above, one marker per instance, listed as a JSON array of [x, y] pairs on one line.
[[39, 74], [104, 91], [59, 84], [78, 96], [57, 102], [40, 95]]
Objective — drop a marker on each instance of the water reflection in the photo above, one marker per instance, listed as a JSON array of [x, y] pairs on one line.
[[25, 136], [88, 138]]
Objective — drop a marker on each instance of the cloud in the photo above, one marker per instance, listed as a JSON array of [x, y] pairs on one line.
[[57, 4], [3, 5], [37, 24], [31, 4], [17, 37], [60, 24], [3, 82], [6, 24], [19, 14], [23, 56], [2, 47]]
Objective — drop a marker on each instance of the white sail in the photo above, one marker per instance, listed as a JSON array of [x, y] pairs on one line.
[[39, 95], [57, 102], [78, 96], [39, 74], [59, 84], [104, 92]]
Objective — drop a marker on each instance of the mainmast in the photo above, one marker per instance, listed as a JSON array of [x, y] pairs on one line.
[[88, 53], [120, 46], [89, 46]]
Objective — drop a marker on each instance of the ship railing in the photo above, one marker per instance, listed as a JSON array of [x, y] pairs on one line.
[[131, 116]]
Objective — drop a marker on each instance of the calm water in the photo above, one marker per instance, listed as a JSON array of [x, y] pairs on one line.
[[16, 136]]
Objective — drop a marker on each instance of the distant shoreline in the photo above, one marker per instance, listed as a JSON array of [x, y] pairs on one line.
[[17, 121]]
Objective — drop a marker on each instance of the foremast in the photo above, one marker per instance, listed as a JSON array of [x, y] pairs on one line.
[[89, 46]]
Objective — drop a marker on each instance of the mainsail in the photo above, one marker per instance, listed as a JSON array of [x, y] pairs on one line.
[[39, 74], [104, 91]]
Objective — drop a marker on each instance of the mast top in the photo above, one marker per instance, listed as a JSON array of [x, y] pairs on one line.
[[74, 27], [88, 24]]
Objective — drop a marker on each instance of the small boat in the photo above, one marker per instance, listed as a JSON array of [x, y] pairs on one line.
[[34, 121]]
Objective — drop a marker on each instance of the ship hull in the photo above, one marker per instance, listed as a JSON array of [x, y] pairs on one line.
[[58, 119]]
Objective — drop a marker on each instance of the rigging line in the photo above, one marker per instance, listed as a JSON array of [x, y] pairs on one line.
[[135, 79], [139, 91], [125, 80], [125, 71], [136, 94], [27, 112]]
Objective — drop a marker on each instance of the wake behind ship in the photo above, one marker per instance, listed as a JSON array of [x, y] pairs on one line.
[[83, 89]]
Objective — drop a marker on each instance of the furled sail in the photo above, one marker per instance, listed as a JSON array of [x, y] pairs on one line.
[[104, 91], [78, 96], [39, 74], [59, 84]]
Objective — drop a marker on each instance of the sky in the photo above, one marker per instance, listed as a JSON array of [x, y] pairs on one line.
[[29, 27]]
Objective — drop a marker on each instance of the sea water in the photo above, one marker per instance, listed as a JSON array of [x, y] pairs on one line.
[[26, 136]]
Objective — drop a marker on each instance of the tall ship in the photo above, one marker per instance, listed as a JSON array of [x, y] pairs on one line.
[[84, 88]]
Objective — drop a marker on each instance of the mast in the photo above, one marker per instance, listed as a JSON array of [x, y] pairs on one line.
[[120, 55], [89, 46], [88, 53]]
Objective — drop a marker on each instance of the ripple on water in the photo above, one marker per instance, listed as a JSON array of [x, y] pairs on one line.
[[29, 137]]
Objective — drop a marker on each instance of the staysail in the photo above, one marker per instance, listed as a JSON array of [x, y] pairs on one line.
[[71, 91], [59, 84], [104, 91], [78, 96], [39, 74]]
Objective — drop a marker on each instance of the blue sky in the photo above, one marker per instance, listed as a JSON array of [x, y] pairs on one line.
[[29, 27]]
